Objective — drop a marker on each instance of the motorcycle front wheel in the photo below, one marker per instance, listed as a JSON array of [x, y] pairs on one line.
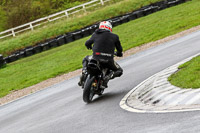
[[88, 91]]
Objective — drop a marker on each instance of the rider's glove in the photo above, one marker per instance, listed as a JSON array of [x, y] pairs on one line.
[[89, 47], [119, 54]]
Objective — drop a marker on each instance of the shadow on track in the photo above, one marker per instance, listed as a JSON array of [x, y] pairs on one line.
[[108, 96]]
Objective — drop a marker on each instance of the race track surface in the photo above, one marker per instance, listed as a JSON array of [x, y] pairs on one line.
[[60, 109]]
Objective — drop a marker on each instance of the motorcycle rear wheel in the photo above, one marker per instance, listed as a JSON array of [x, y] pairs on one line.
[[88, 92]]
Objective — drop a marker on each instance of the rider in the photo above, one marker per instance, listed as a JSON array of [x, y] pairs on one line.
[[104, 44]]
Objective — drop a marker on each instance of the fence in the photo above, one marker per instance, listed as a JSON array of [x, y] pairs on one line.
[[50, 18]]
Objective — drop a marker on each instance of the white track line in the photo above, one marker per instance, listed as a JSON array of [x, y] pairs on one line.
[[166, 109]]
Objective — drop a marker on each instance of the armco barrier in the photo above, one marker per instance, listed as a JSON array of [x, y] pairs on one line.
[[161, 5], [69, 38], [37, 49], [45, 46], [150, 9], [139, 13], [116, 22], [86, 32], [93, 28], [124, 19], [6, 59], [29, 51], [2, 61], [11, 58], [132, 16], [61, 40], [53, 43], [1, 57], [20, 54], [78, 34]]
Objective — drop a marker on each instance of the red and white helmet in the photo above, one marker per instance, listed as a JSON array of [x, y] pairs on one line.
[[105, 25]]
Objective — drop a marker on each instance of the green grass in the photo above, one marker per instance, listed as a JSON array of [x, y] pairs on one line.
[[67, 25], [188, 75], [24, 11], [34, 69]]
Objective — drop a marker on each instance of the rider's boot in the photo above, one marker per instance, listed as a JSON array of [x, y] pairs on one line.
[[80, 83], [107, 78], [82, 77]]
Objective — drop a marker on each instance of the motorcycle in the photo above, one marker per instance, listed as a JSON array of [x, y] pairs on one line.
[[94, 80]]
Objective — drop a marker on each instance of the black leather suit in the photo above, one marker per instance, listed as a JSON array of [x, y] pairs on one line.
[[104, 44]]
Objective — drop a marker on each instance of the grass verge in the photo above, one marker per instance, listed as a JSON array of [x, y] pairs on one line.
[[188, 75], [66, 25], [34, 69]]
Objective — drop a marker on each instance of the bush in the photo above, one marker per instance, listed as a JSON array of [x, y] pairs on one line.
[[3, 19], [19, 12]]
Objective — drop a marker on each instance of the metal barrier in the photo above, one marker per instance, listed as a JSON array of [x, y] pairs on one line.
[[50, 18], [2, 61]]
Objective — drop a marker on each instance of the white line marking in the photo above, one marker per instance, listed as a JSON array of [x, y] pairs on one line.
[[182, 97], [195, 98], [177, 108]]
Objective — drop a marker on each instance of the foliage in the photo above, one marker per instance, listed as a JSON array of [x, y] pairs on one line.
[[3, 19], [22, 11], [67, 25]]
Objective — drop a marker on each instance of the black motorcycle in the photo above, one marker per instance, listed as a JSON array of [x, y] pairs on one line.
[[94, 80]]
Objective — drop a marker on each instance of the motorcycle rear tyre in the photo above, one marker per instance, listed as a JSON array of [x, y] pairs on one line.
[[88, 93]]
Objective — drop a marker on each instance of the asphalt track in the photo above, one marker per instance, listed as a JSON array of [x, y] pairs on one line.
[[60, 109]]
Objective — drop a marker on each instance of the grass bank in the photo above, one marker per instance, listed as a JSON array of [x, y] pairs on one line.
[[188, 75], [66, 25], [24, 11], [34, 69]]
